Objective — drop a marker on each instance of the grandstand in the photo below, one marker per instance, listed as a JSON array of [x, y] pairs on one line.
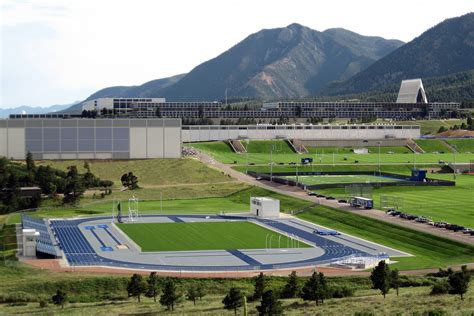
[[45, 244]]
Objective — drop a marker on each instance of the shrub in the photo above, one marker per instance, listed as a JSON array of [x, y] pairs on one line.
[[340, 292], [441, 287], [43, 304]]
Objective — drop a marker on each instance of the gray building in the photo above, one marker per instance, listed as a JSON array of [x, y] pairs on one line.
[[91, 138]]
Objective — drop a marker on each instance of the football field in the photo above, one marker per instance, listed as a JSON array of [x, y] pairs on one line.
[[202, 236], [330, 179]]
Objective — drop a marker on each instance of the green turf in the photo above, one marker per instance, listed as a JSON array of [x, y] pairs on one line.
[[428, 250], [433, 145], [330, 179], [264, 146], [465, 145], [349, 150], [202, 236], [449, 204], [218, 152], [432, 126]]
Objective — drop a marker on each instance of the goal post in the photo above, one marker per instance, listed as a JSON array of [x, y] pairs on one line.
[[391, 201], [133, 209]]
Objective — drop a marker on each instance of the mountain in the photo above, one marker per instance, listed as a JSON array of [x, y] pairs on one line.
[[147, 90], [294, 61], [444, 49], [4, 113]]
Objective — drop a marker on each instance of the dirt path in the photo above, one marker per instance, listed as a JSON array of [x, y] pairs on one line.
[[298, 193]]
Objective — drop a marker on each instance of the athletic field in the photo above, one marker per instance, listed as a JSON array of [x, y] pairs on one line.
[[202, 236], [331, 179]]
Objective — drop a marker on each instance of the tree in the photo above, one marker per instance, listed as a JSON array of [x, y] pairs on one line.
[[60, 298], [259, 286], [322, 290], [169, 296], [152, 286], [129, 180], [291, 288], [269, 305], [201, 292], [380, 277], [233, 300], [310, 288], [395, 280], [442, 129], [30, 163], [459, 282], [192, 294], [136, 286], [74, 187], [158, 112], [470, 122]]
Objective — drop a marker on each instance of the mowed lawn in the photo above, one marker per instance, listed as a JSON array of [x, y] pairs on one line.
[[433, 145], [329, 179], [449, 204], [202, 236], [223, 153], [465, 145], [429, 251]]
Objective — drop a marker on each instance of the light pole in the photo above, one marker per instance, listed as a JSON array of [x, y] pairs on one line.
[[378, 143], [271, 164]]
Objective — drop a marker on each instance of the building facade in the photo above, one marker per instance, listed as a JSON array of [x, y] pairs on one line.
[[201, 133], [91, 138]]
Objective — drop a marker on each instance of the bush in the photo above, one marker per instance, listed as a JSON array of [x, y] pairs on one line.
[[441, 287], [43, 304], [340, 292], [434, 312]]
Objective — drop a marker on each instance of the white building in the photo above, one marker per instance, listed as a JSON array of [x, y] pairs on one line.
[[412, 91], [265, 207]]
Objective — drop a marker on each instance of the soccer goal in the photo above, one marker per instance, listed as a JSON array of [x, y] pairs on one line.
[[133, 214], [391, 202]]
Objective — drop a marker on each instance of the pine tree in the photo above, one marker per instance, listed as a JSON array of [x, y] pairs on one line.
[[59, 298], [269, 305], [310, 288], [459, 282], [136, 286], [259, 286], [152, 286], [380, 277], [322, 290], [233, 300], [291, 288], [395, 280], [192, 294], [169, 296]]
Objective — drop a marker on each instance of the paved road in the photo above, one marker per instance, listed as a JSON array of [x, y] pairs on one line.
[[298, 193]]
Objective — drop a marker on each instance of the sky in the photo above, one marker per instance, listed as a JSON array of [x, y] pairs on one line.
[[57, 52]]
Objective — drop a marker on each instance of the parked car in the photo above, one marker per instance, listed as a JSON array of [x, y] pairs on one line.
[[342, 201], [440, 224], [330, 198], [320, 195], [421, 220], [311, 193], [466, 231]]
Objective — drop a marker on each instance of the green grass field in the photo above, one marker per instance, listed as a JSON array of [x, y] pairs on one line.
[[349, 150], [465, 145], [202, 236], [264, 146], [449, 204], [221, 152], [149, 172], [433, 145], [427, 250], [329, 179], [432, 126]]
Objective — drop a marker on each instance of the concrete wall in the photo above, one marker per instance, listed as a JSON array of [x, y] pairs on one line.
[[91, 138], [304, 132]]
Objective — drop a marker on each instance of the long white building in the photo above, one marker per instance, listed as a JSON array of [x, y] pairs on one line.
[[91, 138]]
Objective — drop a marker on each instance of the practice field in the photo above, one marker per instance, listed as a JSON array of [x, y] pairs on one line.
[[330, 179], [202, 236], [279, 155]]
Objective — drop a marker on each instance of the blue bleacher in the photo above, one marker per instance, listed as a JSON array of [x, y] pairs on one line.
[[45, 242]]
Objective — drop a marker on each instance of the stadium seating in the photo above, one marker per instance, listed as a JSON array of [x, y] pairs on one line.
[[45, 242]]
